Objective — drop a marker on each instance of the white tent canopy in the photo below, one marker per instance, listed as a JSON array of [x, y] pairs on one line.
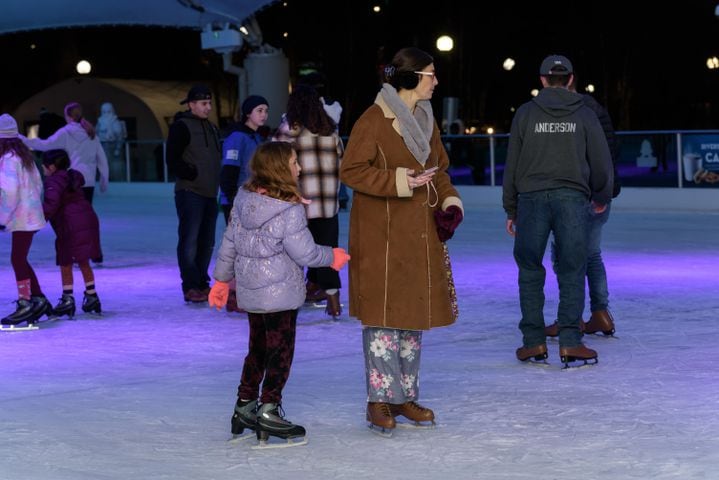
[[19, 15]]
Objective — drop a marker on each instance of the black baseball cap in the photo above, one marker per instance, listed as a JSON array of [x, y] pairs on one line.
[[556, 65], [197, 92]]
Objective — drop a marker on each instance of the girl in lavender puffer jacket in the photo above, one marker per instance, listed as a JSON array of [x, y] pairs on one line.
[[264, 248]]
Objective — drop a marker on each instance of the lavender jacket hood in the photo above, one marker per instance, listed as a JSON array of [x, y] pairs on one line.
[[265, 247]]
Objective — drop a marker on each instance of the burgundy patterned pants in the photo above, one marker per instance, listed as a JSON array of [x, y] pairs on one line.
[[268, 361]]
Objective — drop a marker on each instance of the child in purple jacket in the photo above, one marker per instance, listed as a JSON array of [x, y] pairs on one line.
[[76, 226], [264, 248]]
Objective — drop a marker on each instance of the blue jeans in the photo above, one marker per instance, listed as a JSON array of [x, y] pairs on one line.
[[596, 274], [197, 217], [563, 212]]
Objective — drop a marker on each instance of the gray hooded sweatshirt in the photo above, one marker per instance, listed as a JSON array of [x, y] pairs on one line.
[[265, 247], [556, 141]]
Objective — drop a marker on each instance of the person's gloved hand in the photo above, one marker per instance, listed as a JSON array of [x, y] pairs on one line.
[[340, 258], [447, 221], [218, 294]]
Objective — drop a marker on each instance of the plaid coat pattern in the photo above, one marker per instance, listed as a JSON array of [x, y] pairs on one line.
[[320, 158]]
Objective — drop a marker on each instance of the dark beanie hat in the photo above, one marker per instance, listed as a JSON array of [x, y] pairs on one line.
[[252, 102]]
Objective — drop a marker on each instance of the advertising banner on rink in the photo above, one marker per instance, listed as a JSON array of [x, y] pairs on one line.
[[700, 159]]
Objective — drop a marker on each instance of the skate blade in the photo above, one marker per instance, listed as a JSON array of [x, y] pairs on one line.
[[417, 425], [291, 442], [587, 363], [15, 328], [322, 305], [240, 437], [382, 432]]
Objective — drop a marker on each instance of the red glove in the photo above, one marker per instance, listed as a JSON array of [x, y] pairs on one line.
[[447, 221], [218, 294], [340, 258]]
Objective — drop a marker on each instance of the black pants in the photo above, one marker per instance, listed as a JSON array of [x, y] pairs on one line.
[[269, 357], [325, 231]]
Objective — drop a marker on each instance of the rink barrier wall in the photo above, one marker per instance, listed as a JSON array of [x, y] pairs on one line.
[[631, 198]]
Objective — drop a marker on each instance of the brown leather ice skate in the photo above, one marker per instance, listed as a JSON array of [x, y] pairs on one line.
[[380, 417], [553, 329], [537, 353], [601, 321], [413, 411], [577, 353]]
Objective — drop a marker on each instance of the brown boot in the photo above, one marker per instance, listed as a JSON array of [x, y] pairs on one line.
[[578, 353], [553, 329], [314, 292], [537, 352], [232, 303], [380, 416], [413, 411], [601, 321], [333, 308]]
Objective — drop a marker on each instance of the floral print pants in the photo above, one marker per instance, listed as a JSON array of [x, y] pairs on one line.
[[392, 364]]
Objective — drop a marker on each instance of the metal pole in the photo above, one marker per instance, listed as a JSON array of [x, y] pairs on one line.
[[127, 161], [164, 160], [491, 160], [679, 160]]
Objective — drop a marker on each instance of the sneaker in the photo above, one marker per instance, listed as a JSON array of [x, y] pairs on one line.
[[195, 296], [245, 416], [413, 411], [66, 306], [600, 321], [537, 352], [379, 414]]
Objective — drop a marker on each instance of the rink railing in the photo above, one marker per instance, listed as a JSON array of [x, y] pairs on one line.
[[652, 158]]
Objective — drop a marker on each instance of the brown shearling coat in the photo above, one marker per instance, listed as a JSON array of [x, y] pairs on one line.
[[397, 273]]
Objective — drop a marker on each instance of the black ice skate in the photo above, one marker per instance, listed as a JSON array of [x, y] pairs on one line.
[[91, 303], [41, 306], [245, 417], [66, 306], [24, 313], [271, 422]]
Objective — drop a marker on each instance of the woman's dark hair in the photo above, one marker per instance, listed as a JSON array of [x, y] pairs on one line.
[[305, 109], [58, 158], [400, 72]]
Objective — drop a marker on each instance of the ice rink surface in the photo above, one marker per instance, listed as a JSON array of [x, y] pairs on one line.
[[147, 390]]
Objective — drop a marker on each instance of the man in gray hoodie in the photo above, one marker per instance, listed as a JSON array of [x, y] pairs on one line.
[[558, 172]]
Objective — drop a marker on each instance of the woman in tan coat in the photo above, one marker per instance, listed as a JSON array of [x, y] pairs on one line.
[[403, 210]]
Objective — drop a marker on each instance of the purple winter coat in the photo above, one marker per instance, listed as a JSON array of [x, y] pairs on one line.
[[264, 247], [72, 217]]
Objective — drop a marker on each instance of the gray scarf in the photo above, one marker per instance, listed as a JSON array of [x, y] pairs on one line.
[[416, 130]]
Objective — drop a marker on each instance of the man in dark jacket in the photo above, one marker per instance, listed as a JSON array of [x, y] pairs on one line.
[[558, 168], [194, 155], [601, 319]]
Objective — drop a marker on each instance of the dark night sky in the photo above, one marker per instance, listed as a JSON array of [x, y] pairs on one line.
[[648, 63]]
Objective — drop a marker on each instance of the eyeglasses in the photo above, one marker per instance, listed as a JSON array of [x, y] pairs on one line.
[[429, 74]]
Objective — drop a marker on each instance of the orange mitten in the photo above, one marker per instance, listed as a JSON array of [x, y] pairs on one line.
[[218, 294], [340, 258]]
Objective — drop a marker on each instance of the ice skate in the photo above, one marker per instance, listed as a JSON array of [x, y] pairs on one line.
[[421, 417], [23, 314], [66, 306], [91, 303], [314, 293], [271, 422], [576, 354], [553, 329], [600, 321], [244, 417], [380, 418], [334, 307], [535, 354], [41, 306]]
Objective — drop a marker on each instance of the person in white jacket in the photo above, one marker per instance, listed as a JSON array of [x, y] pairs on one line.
[[79, 140]]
